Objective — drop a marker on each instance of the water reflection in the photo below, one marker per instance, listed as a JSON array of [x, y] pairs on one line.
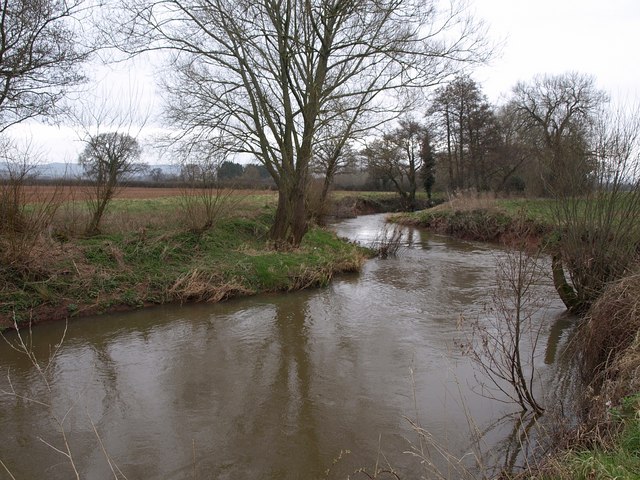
[[562, 324]]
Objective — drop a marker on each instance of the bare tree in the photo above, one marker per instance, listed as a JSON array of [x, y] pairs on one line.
[[504, 347], [398, 156], [24, 213], [110, 124], [17, 168], [382, 160], [40, 56], [156, 174], [204, 200], [428, 168], [466, 128], [267, 72], [599, 231], [558, 111], [513, 159], [410, 137], [108, 159], [332, 153]]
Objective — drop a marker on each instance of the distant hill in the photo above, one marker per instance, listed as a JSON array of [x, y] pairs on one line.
[[59, 170], [74, 170]]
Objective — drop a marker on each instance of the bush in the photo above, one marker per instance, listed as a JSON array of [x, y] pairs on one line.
[[23, 217], [610, 340]]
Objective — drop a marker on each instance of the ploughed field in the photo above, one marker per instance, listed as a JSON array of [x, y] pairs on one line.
[[35, 193]]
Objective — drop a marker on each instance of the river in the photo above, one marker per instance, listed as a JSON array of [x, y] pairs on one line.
[[305, 385]]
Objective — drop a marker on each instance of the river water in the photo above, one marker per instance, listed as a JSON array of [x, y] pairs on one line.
[[305, 385]]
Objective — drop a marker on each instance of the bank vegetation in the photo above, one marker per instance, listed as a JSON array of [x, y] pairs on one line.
[[152, 251], [605, 346]]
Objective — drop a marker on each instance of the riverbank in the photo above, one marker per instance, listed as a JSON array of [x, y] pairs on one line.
[[352, 204], [607, 344], [607, 443], [150, 254], [132, 270], [486, 220]]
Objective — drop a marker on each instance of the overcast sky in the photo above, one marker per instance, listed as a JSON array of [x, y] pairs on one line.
[[596, 37], [542, 36]]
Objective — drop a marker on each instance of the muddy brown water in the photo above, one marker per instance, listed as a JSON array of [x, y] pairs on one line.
[[306, 385]]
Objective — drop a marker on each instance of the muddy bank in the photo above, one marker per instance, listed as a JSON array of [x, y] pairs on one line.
[[482, 225]]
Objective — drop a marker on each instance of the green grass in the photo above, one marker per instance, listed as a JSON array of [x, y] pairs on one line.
[[136, 266], [544, 210], [488, 219], [142, 206], [484, 218], [620, 460], [536, 209]]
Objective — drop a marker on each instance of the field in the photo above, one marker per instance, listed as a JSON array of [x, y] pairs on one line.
[[134, 208], [35, 193]]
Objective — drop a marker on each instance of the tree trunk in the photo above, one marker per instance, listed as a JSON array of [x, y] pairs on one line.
[[281, 224], [452, 184], [461, 182], [332, 166], [102, 199], [412, 198], [290, 224], [565, 291], [299, 223]]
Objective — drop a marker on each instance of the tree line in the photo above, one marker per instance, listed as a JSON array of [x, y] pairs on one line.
[[542, 140], [305, 87]]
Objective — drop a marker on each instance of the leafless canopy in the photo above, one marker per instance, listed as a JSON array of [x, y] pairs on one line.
[[560, 110], [40, 56], [397, 158], [108, 159], [269, 73]]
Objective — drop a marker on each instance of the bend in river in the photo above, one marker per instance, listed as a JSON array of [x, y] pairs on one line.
[[278, 386]]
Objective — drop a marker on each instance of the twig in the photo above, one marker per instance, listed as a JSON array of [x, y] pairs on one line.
[[7, 470]]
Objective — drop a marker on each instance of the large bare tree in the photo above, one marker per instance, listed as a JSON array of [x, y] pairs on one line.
[[268, 72], [41, 53], [558, 112]]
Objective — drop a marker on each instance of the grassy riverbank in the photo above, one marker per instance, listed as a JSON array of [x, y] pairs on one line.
[[150, 254], [485, 219], [608, 441], [606, 444]]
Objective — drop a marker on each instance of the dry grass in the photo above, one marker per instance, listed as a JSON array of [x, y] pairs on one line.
[[37, 193], [123, 221], [611, 342], [201, 286], [138, 209], [21, 224], [310, 277], [468, 200]]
